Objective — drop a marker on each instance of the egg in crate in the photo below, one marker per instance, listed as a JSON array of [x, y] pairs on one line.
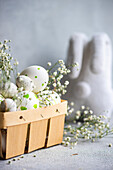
[[27, 100], [8, 89], [48, 97], [8, 105], [25, 82], [39, 76]]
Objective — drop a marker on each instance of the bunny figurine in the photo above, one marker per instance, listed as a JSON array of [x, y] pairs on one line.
[[91, 85]]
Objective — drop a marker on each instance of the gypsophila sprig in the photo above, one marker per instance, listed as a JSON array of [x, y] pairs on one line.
[[86, 126], [56, 74], [6, 66]]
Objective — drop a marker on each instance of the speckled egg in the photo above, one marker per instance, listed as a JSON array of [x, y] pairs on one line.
[[25, 82], [8, 105], [48, 97], [8, 89], [39, 76], [27, 100]]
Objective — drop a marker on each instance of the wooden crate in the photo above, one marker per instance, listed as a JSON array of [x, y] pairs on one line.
[[29, 130]]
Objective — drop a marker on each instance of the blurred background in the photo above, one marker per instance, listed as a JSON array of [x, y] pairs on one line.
[[40, 29]]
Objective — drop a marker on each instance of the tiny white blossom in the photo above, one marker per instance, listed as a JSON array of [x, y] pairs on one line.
[[49, 64], [55, 73], [66, 82], [91, 112], [82, 107], [63, 142], [72, 103], [1, 45], [86, 112], [61, 61], [54, 84], [67, 143], [110, 145]]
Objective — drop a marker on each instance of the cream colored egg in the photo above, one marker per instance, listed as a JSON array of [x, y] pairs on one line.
[[8, 89], [27, 100], [39, 76], [8, 105], [25, 82], [48, 97]]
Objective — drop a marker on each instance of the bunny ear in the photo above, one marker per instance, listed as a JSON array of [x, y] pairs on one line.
[[98, 48], [75, 52]]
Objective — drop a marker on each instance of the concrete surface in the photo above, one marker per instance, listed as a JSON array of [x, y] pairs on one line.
[[91, 156]]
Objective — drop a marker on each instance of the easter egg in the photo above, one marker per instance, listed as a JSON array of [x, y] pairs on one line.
[[27, 100], [25, 82], [48, 97], [8, 89], [39, 76], [8, 105]]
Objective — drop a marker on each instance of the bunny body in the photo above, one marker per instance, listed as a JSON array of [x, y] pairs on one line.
[[92, 85]]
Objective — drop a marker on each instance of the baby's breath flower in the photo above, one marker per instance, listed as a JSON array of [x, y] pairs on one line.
[[54, 84], [5, 41], [1, 45], [110, 145], [77, 117], [55, 73], [63, 142], [68, 138], [72, 103], [67, 143], [65, 132], [49, 64], [61, 61], [82, 107], [86, 112], [66, 83], [88, 126]]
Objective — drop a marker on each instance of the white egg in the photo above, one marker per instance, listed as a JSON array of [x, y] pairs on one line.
[[25, 82], [39, 76], [8, 105], [8, 89], [48, 97], [27, 100]]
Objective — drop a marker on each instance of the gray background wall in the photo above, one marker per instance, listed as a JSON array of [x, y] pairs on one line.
[[40, 29]]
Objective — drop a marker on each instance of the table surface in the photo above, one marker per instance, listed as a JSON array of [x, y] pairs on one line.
[[91, 156]]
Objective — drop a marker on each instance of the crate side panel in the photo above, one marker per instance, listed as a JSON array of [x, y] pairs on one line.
[[27, 116], [16, 139], [56, 128], [37, 134]]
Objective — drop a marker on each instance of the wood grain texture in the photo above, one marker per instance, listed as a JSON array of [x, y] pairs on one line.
[[37, 135], [16, 139], [56, 128]]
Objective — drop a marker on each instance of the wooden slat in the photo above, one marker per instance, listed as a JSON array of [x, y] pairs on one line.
[[37, 135], [16, 139], [56, 127]]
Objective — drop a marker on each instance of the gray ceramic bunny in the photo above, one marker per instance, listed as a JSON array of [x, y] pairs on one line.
[[91, 85]]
